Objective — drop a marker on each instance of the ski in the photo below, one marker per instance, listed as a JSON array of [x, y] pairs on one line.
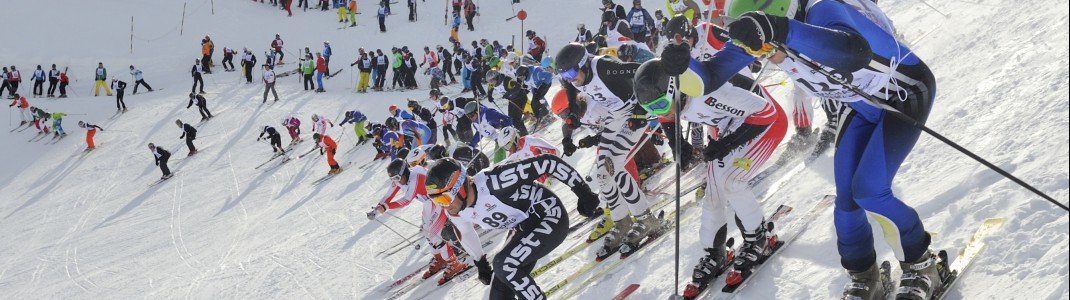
[[161, 180], [273, 157], [329, 76], [19, 127], [627, 291], [966, 256], [327, 177], [737, 279], [460, 277], [57, 139], [34, 138]]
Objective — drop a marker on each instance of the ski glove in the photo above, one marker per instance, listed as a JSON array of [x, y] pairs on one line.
[[587, 203], [485, 271], [572, 121], [720, 148], [588, 141], [372, 214], [675, 58], [756, 30], [568, 146]]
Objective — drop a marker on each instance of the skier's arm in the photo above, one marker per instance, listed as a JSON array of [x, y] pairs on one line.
[[552, 165], [832, 37], [190, 103], [704, 77], [468, 237]]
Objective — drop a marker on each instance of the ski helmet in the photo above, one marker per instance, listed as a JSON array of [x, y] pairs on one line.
[[315, 118], [397, 170], [609, 16], [679, 30], [570, 59], [152, 146], [178, 122], [266, 127], [471, 108], [444, 181], [418, 155], [81, 124], [463, 153], [529, 33], [781, 8], [435, 92], [392, 108], [627, 52], [391, 122], [651, 86], [506, 138], [522, 73], [436, 152], [316, 136], [402, 153]]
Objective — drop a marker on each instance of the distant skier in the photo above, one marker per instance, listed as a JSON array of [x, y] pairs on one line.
[[321, 70], [23, 106], [358, 119], [536, 215], [101, 76], [293, 127], [91, 131], [119, 86], [40, 120], [247, 63], [228, 59], [327, 59], [196, 72], [63, 82], [4, 84], [328, 146], [38, 82], [14, 78], [139, 79], [269, 84], [274, 137], [276, 46], [202, 106], [57, 124], [190, 134], [320, 124], [161, 155]]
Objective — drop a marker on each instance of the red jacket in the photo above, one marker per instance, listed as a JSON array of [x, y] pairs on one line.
[[21, 103], [63, 78], [328, 143], [540, 46], [321, 65]]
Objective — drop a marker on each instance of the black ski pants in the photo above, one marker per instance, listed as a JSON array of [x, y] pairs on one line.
[[39, 87], [141, 82], [308, 83], [534, 238], [197, 79], [119, 103], [163, 164], [204, 111], [52, 83]]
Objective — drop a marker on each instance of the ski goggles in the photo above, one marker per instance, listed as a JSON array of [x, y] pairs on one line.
[[570, 74], [444, 196], [658, 106]]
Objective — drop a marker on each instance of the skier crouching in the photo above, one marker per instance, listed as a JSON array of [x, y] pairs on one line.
[[747, 125], [509, 199], [328, 146]]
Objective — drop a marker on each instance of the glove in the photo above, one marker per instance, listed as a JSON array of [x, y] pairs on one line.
[[588, 141], [719, 149], [572, 121], [587, 203], [257, 139], [568, 146], [483, 266], [675, 58], [636, 122], [372, 214], [754, 30]]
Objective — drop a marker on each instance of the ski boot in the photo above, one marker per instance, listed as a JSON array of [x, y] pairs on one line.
[[454, 268], [165, 177], [603, 227], [646, 225], [700, 191], [922, 278], [709, 267], [757, 246], [871, 284], [437, 264], [614, 238]]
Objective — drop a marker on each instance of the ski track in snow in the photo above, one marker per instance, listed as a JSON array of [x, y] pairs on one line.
[[86, 226]]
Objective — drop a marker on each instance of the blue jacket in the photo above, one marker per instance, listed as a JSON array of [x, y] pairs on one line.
[[326, 51], [540, 76], [489, 121], [354, 117], [639, 20], [404, 115]]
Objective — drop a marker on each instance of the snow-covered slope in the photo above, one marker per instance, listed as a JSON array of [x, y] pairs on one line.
[[91, 227]]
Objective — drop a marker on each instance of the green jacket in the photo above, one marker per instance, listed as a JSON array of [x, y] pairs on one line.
[[397, 61], [309, 67], [41, 114], [58, 116], [101, 73]]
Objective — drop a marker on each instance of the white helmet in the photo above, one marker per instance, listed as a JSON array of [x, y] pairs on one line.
[[315, 118], [418, 155], [506, 136]]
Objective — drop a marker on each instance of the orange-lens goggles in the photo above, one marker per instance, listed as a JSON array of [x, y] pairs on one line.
[[443, 199]]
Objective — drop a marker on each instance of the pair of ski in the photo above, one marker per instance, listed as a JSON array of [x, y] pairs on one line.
[[325, 178], [162, 179], [287, 159], [404, 286]]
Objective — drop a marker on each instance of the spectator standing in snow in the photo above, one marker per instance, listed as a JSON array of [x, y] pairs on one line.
[[38, 82], [269, 84], [119, 86], [196, 72], [381, 14], [101, 76], [139, 79]]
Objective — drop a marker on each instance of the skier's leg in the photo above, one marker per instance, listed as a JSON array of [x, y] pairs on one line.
[[803, 110], [189, 143], [96, 87], [89, 138], [734, 171], [163, 165], [512, 266], [517, 115], [854, 236], [619, 147]]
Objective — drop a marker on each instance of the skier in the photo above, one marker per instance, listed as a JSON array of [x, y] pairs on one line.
[[40, 120], [206, 55], [326, 59], [321, 70], [640, 22], [57, 124], [520, 147], [539, 80], [247, 63], [139, 79], [856, 43], [584, 35], [320, 124], [293, 127], [63, 82], [161, 155], [190, 134], [486, 122], [417, 132], [327, 145], [515, 93], [202, 106], [364, 65], [120, 87], [381, 14], [358, 119], [23, 106], [538, 217], [536, 46], [38, 82], [91, 130], [228, 59], [4, 84], [196, 72], [101, 76], [436, 228], [274, 137], [308, 68], [269, 84], [382, 63], [426, 116], [688, 8], [14, 78], [747, 125], [276, 46], [605, 85]]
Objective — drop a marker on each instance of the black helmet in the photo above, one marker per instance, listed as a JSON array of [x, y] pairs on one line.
[[471, 107], [529, 33], [444, 176], [627, 51], [402, 153], [391, 122], [463, 153], [651, 81], [571, 56], [522, 72], [435, 92], [679, 26], [397, 168], [609, 16], [436, 152]]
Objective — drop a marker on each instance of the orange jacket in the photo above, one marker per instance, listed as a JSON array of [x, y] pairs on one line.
[[21, 102], [206, 48], [353, 6], [328, 143]]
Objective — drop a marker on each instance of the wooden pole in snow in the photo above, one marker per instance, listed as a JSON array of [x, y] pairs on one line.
[[182, 26], [131, 34]]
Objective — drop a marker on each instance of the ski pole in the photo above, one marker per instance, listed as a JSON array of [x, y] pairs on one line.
[[403, 220], [392, 230], [905, 118]]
